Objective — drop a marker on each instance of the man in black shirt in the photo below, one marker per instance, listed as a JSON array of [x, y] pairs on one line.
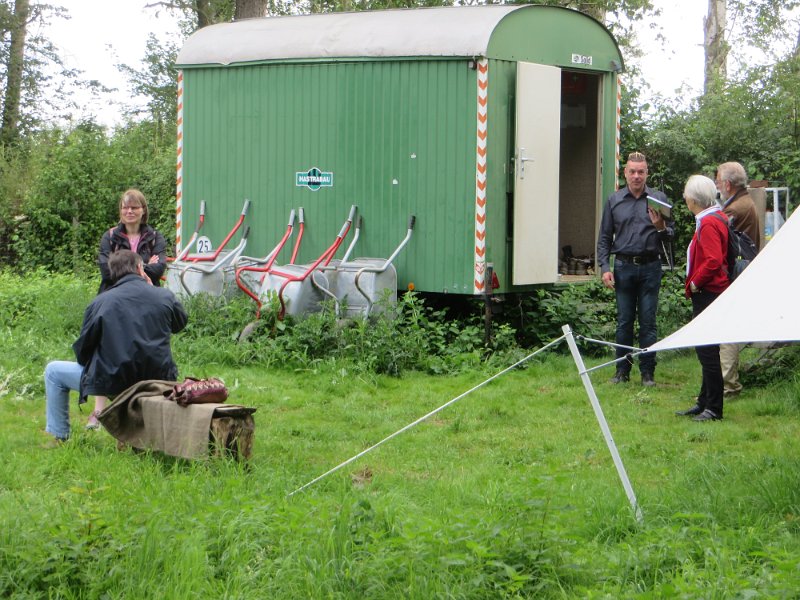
[[635, 234]]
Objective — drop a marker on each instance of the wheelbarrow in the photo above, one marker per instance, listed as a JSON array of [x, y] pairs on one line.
[[250, 272], [201, 221], [299, 293], [361, 283], [216, 278], [182, 280], [212, 256]]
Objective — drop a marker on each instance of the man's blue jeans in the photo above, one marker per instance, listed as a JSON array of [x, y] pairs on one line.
[[637, 287], [59, 378]]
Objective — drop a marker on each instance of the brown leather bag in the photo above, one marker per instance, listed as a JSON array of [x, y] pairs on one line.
[[198, 391]]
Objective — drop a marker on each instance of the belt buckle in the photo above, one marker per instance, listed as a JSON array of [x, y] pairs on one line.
[[637, 260]]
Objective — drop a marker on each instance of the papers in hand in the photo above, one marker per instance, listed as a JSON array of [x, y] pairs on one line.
[[665, 208]]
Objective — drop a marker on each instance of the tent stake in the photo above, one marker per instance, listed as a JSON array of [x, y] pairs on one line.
[[601, 419]]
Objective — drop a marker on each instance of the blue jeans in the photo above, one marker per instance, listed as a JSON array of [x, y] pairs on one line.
[[59, 378], [637, 287]]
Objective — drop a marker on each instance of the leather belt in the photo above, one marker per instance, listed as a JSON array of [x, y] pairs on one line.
[[638, 259]]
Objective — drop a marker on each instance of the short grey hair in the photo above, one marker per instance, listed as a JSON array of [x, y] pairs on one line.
[[700, 190], [123, 262], [733, 173]]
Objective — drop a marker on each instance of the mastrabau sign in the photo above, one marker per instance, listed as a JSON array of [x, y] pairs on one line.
[[313, 179]]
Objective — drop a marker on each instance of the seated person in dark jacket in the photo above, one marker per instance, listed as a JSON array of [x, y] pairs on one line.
[[125, 339]]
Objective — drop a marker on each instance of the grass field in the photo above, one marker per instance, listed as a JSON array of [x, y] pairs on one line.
[[509, 493]]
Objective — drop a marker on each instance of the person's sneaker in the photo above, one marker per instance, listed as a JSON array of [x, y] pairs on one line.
[[53, 442], [620, 377], [648, 380], [707, 415], [691, 412], [93, 423], [731, 393]]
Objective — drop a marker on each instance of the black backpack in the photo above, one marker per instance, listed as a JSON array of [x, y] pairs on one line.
[[741, 249]]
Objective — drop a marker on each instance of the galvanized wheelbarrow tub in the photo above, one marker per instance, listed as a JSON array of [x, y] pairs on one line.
[[359, 285], [216, 278], [301, 288]]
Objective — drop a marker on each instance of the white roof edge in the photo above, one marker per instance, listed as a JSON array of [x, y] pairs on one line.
[[439, 31]]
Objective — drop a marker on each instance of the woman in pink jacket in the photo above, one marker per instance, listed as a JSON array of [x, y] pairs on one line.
[[706, 278]]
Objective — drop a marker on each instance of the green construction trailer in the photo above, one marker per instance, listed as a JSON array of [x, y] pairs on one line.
[[496, 126]]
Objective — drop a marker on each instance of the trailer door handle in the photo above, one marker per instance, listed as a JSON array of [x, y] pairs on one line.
[[521, 160]]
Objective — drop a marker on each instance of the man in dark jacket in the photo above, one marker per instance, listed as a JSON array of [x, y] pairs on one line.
[[125, 339], [635, 234]]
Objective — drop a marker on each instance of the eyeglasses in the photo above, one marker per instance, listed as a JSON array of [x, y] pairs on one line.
[[124, 208]]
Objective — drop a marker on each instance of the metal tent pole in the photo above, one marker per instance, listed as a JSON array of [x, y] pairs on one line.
[[601, 419]]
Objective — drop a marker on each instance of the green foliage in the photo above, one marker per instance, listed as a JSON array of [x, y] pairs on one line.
[[45, 304], [587, 308], [45, 82], [752, 118], [590, 310], [73, 198], [157, 81], [65, 213], [408, 336], [507, 494], [40, 318], [770, 366]]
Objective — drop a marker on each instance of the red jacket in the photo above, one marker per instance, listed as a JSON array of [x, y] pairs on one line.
[[708, 256]]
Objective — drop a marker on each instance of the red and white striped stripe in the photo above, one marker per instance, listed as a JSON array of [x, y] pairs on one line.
[[179, 166], [480, 177]]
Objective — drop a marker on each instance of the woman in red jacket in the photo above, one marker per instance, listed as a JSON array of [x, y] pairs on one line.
[[706, 278]]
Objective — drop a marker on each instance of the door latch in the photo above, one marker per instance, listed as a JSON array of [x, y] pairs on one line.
[[521, 159]]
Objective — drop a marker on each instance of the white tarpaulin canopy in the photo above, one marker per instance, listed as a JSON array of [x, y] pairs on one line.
[[762, 305]]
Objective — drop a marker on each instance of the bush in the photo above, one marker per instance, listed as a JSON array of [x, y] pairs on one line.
[[407, 336]]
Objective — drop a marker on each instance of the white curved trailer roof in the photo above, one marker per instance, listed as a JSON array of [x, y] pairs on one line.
[[439, 31]]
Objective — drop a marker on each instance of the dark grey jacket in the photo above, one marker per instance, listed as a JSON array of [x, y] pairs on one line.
[[125, 337], [626, 228], [152, 243]]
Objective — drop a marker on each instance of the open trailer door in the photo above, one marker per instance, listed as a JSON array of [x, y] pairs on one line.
[[536, 160]]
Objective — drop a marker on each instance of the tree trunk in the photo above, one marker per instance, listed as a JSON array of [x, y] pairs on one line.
[[203, 12], [16, 61], [716, 48], [249, 9], [593, 9]]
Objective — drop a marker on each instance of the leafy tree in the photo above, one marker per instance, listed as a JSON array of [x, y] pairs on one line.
[[65, 210], [33, 79], [156, 80], [73, 197]]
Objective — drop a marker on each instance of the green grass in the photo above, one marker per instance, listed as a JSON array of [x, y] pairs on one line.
[[509, 493]]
